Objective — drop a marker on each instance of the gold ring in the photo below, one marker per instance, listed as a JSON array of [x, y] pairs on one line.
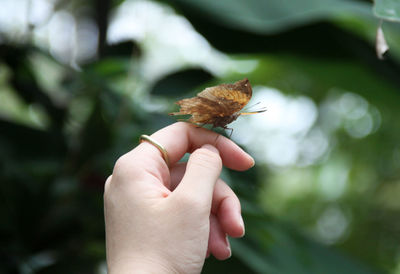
[[157, 145]]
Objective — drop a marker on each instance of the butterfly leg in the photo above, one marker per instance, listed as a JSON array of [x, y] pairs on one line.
[[216, 137], [231, 129]]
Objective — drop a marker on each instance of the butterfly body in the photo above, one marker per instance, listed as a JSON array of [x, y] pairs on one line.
[[218, 106], [224, 120]]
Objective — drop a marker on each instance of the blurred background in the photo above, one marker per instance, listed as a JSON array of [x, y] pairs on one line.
[[80, 81]]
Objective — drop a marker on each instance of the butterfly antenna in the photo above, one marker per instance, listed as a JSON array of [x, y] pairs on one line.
[[231, 129], [252, 105], [253, 112]]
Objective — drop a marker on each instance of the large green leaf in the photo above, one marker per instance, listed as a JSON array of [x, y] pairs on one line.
[[269, 16], [305, 26], [270, 26], [387, 9]]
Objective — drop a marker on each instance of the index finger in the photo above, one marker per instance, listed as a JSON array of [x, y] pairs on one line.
[[181, 137]]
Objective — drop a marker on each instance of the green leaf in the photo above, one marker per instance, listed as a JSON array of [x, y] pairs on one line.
[[264, 17], [387, 10], [272, 246], [305, 27]]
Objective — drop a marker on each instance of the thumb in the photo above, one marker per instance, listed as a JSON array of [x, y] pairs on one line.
[[202, 172]]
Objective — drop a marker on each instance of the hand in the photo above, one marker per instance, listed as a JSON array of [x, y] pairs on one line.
[[167, 220]]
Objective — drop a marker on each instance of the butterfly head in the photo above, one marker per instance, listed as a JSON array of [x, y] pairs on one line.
[[243, 86]]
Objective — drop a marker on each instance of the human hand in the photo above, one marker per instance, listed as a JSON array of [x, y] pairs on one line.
[[167, 220]]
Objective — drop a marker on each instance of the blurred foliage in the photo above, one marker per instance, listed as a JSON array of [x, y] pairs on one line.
[[387, 9], [65, 120]]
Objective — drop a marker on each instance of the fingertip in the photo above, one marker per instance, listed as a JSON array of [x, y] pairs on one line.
[[252, 161], [223, 253], [234, 156], [228, 247], [218, 241], [230, 216]]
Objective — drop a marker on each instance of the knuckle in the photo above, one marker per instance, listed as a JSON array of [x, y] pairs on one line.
[[121, 165], [181, 124], [107, 184], [126, 167]]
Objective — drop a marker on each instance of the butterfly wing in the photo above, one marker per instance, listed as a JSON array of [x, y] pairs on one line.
[[233, 97], [202, 110]]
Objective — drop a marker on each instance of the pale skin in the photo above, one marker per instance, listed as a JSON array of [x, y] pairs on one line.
[[162, 219]]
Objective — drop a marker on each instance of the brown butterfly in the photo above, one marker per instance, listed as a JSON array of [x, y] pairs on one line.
[[219, 105]]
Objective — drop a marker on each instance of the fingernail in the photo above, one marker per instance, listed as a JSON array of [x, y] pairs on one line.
[[252, 161], [241, 223], [210, 148], [228, 246]]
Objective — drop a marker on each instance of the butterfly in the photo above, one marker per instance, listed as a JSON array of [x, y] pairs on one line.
[[219, 105]]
